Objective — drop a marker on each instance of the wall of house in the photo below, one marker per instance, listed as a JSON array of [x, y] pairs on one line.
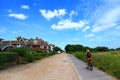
[[36, 47]]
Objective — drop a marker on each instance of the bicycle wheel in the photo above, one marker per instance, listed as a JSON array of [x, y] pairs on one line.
[[90, 66]]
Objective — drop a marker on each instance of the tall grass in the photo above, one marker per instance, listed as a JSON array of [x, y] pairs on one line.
[[106, 61]]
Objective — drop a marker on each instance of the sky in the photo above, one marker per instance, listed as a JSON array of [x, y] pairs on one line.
[[90, 23]]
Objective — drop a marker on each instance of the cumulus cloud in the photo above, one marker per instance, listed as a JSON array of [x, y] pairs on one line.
[[18, 16], [86, 28], [68, 24], [25, 7], [51, 14]]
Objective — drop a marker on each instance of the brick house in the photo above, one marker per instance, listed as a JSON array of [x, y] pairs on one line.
[[37, 44]]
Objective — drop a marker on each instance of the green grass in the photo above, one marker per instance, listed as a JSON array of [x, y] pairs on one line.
[[106, 61]]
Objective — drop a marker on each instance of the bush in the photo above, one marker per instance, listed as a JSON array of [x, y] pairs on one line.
[[7, 57], [29, 57], [50, 53], [22, 55], [21, 51]]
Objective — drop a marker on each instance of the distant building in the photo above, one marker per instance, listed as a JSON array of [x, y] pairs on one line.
[[37, 44]]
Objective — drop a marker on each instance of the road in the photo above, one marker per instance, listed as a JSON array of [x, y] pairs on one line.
[[58, 67]]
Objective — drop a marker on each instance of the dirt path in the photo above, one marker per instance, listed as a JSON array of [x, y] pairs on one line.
[[57, 67]]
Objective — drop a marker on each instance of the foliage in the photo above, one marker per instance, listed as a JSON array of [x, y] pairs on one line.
[[50, 53], [72, 48], [7, 57], [80, 55], [21, 51], [68, 48], [118, 48], [56, 48], [101, 49], [22, 55], [78, 47]]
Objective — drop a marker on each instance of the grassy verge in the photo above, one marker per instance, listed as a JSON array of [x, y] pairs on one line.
[[106, 61]]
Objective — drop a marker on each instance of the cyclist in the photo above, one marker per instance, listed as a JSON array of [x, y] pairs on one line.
[[88, 57]]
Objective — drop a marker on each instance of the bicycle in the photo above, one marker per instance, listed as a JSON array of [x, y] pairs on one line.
[[90, 66]]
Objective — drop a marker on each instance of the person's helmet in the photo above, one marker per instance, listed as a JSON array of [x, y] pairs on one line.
[[88, 50]]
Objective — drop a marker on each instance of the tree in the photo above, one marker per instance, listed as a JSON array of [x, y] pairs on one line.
[[68, 48], [101, 49], [73, 48], [56, 49], [118, 48]]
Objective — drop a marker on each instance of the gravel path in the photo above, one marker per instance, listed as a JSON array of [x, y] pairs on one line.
[[57, 67]]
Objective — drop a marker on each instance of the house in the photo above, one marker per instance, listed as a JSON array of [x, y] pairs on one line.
[[37, 44], [7, 44]]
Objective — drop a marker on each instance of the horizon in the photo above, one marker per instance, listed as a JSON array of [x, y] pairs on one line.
[[89, 23]]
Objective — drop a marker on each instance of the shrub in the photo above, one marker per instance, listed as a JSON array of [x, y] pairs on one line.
[[7, 57], [21, 51], [29, 57], [50, 53]]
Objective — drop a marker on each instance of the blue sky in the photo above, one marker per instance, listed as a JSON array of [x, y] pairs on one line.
[[88, 22]]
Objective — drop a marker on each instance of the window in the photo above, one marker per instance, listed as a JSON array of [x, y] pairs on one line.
[[42, 46]]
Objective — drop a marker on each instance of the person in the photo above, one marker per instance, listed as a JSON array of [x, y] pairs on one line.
[[88, 57]]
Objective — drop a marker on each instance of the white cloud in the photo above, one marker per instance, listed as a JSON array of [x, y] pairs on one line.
[[107, 17], [15, 32], [89, 35], [86, 28], [51, 14], [72, 13], [18, 16], [2, 30], [97, 28], [25, 7], [68, 24], [112, 15]]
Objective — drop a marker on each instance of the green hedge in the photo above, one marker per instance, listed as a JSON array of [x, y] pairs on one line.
[[22, 55], [21, 51], [7, 57]]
